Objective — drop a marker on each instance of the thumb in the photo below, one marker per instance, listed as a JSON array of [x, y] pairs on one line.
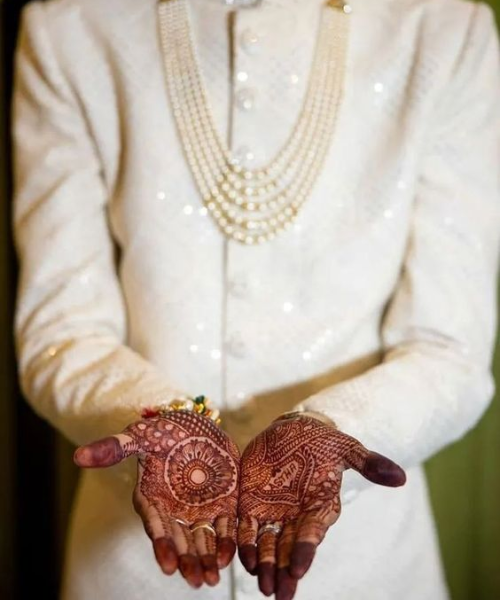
[[375, 467], [105, 452]]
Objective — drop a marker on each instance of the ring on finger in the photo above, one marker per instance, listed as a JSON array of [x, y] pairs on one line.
[[203, 525], [274, 528]]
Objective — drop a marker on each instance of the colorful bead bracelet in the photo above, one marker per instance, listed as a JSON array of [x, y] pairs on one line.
[[198, 404]]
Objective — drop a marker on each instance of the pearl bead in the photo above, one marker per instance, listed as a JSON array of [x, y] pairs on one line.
[[245, 99]]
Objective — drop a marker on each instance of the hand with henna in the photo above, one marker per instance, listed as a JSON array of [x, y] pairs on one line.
[[186, 492], [291, 475]]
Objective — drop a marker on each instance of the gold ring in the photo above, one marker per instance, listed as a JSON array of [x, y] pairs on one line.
[[181, 522], [203, 525], [271, 528]]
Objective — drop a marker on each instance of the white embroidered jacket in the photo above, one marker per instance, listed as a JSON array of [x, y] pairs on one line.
[[377, 309]]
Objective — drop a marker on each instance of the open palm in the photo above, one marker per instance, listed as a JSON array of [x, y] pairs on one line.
[[186, 491], [291, 475]]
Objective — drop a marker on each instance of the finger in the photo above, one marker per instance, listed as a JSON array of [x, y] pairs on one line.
[[166, 555], [103, 453], [266, 553], [310, 533], [159, 529], [375, 467], [247, 537], [285, 544], [189, 563], [226, 540], [286, 585], [205, 543]]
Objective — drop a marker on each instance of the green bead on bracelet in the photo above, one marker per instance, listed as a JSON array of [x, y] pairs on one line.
[[198, 404]]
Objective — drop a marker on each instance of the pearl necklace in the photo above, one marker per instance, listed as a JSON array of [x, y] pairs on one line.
[[254, 205]]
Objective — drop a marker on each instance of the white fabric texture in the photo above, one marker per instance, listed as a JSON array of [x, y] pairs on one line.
[[377, 309]]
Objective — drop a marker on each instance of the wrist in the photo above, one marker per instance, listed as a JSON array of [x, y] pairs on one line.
[[320, 417], [300, 412]]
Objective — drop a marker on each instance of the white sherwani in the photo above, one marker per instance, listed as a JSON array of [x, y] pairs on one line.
[[377, 308]]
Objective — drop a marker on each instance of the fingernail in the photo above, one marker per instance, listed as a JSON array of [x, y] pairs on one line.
[[102, 453], [82, 457], [383, 470], [266, 573], [166, 555], [248, 557], [301, 559], [286, 585], [210, 571], [191, 570], [225, 552]]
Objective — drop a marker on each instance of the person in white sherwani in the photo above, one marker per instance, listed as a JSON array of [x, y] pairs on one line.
[[290, 208]]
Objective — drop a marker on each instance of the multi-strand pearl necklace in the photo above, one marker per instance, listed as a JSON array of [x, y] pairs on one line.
[[254, 205]]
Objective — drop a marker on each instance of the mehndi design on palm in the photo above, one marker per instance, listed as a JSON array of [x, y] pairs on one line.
[[291, 476], [186, 491]]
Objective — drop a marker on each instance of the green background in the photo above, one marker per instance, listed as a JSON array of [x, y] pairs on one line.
[[464, 479], [465, 489]]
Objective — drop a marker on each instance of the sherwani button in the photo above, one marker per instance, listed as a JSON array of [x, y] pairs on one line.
[[241, 3], [243, 155], [245, 99], [250, 41], [238, 286], [235, 346]]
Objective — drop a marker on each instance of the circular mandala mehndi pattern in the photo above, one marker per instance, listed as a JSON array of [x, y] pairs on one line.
[[198, 472]]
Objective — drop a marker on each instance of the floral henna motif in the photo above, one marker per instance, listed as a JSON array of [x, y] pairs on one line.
[[198, 472], [190, 466], [186, 492], [291, 474]]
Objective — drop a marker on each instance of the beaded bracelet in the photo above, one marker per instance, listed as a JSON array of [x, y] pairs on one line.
[[198, 404]]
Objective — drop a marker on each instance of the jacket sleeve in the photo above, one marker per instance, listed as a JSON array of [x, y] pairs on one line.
[[70, 321], [438, 331]]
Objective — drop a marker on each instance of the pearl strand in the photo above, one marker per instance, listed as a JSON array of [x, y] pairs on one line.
[[299, 157], [253, 206]]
